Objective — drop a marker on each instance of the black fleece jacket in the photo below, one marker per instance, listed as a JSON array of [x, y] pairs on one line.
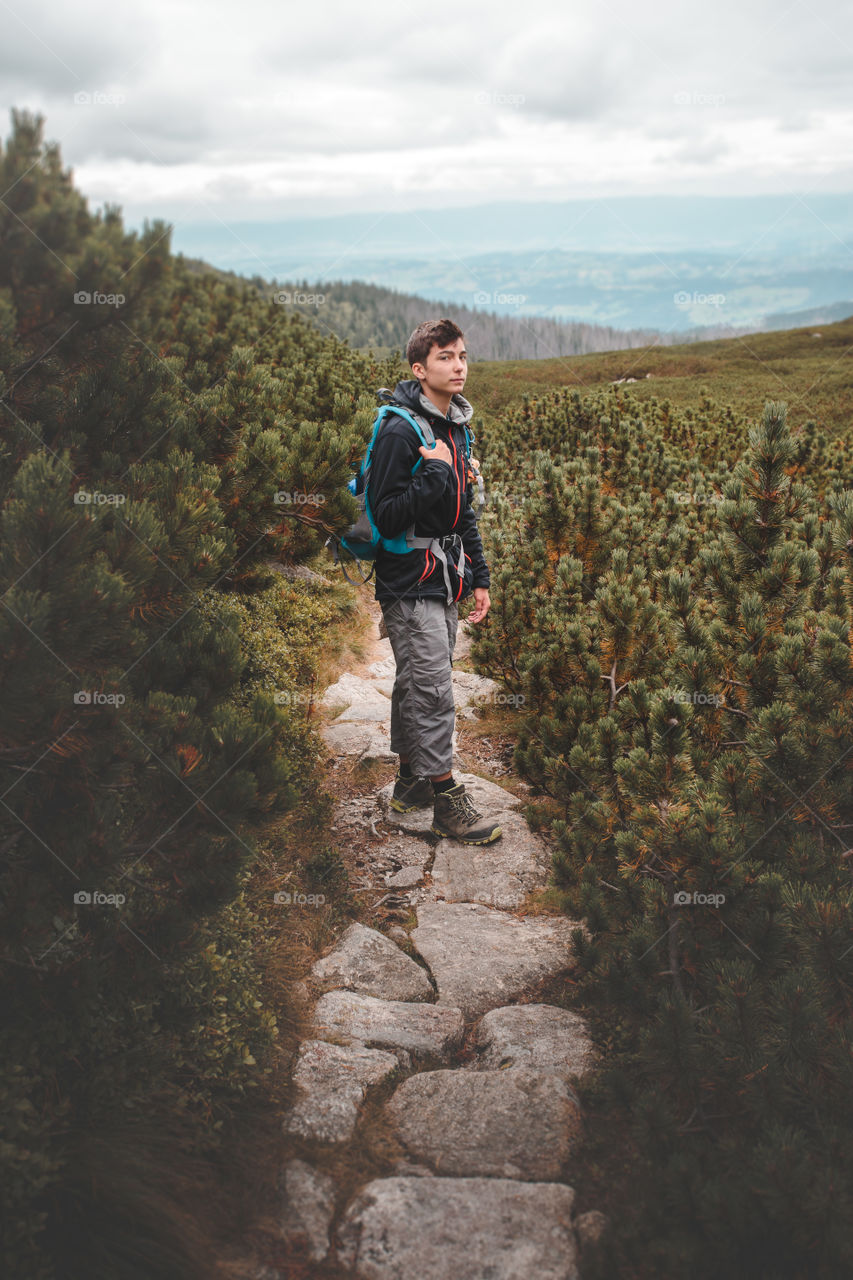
[[437, 499]]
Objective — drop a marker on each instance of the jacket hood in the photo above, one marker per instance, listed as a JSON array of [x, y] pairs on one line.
[[408, 393]]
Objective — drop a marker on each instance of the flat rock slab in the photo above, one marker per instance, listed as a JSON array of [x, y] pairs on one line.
[[353, 699], [381, 645], [517, 1123], [460, 1229], [407, 850], [535, 1035], [348, 690], [333, 1081], [367, 961], [421, 1029], [471, 691], [384, 669], [405, 878], [498, 875], [363, 740], [481, 958], [307, 1209], [394, 847], [464, 633], [376, 712]]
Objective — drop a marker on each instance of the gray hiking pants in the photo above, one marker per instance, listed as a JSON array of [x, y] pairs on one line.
[[423, 714]]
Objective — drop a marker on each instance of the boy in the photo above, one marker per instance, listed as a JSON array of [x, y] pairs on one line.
[[419, 590]]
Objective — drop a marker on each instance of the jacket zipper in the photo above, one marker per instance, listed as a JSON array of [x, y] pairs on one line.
[[427, 566], [428, 557], [458, 480]]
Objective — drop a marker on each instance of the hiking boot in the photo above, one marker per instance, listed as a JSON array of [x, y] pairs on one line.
[[455, 816], [411, 793]]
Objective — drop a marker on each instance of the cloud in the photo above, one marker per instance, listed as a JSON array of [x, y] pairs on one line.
[[54, 51], [330, 106], [699, 151]]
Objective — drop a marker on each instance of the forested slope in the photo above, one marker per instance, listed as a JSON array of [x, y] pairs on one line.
[[165, 435], [371, 317]]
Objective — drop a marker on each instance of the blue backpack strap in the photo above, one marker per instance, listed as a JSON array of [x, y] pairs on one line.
[[421, 426], [425, 433], [407, 541]]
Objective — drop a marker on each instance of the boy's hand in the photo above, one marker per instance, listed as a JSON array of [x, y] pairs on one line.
[[473, 470], [440, 451], [481, 605]]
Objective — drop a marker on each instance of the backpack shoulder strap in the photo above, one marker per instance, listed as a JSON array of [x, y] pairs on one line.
[[421, 425]]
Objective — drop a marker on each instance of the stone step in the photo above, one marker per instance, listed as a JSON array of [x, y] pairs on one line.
[[424, 1030], [333, 1081], [541, 1036], [459, 1229], [518, 1123], [498, 875], [307, 1208], [358, 741], [352, 698], [481, 958], [368, 962], [471, 691]]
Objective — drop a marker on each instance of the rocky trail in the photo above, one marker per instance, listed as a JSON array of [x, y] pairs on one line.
[[434, 1116]]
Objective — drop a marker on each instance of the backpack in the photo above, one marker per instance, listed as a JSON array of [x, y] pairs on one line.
[[362, 540]]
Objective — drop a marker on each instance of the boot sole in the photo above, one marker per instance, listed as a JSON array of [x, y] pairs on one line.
[[399, 807], [446, 835]]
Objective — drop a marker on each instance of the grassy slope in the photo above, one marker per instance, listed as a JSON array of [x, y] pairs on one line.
[[814, 375]]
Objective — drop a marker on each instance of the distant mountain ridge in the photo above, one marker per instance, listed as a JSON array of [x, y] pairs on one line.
[[805, 224], [813, 315], [719, 264]]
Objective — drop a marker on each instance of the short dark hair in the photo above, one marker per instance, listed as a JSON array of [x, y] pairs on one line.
[[429, 334]]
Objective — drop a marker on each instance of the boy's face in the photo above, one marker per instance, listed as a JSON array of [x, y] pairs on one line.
[[445, 369]]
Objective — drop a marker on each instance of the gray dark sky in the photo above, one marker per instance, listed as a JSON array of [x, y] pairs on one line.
[[254, 110]]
